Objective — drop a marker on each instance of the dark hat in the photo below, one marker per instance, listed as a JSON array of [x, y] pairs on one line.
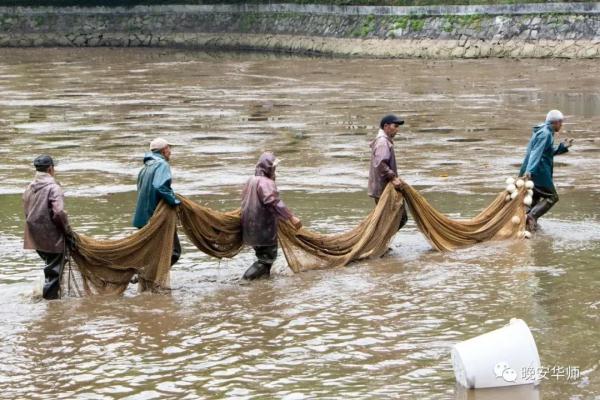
[[391, 119], [43, 161]]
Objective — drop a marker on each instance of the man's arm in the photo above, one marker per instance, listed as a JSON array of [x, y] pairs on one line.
[[269, 196], [381, 161], [562, 147], [162, 184], [56, 199]]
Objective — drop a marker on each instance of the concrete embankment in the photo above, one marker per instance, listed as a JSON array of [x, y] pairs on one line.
[[565, 30]]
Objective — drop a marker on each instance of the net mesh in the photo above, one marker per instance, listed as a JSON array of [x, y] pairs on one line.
[[107, 266]]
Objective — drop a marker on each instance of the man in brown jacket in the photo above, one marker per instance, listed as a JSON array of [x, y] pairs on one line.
[[383, 167], [46, 223]]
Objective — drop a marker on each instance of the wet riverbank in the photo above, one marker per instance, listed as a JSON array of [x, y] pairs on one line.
[[381, 328]]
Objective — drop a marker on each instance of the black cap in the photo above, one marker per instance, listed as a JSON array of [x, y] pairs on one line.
[[391, 119], [43, 161]]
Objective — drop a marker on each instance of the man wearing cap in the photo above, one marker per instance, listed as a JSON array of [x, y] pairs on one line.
[[46, 223], [153, 185], [383, 167], [539, 163], [261, 208]]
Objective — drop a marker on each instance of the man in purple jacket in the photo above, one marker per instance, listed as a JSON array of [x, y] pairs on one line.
[[383, 167], [261, 208], [47, 223]]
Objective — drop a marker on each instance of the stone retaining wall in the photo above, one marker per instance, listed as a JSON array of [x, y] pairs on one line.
[[339, 31]]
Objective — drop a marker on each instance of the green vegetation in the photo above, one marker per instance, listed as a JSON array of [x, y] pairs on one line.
[[414, 22], [462, 21], [131, 3], [367, 27], [401, 22]]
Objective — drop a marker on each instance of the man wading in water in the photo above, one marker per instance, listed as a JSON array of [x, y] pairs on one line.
[[383, 167], [261, 207], [153, 185], [47, 225], [538, 166]]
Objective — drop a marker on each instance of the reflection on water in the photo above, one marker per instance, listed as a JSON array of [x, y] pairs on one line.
[[381, 328]]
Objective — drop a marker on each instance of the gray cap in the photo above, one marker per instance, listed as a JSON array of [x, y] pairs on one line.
[[43, 161]]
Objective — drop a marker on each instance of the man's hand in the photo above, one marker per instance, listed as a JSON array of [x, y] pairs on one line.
[[527, 175], [398, 183], [568, 142], [296, 222]]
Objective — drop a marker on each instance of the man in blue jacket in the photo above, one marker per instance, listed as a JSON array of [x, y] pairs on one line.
[[539, 163], [153, 185]]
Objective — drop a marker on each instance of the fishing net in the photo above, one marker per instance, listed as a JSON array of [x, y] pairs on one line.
[[107, 266]]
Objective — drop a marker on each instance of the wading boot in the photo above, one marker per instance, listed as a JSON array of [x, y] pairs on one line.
[[537, 211], [257, 270]]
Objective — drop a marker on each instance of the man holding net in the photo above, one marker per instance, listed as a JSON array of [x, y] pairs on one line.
[[383, 168], [261, 208], [46, 223], [153, 185]]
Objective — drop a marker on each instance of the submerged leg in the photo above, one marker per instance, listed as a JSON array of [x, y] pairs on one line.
[[266, 256], [543, 200], [176, 250], [403, 218], [52, 271]]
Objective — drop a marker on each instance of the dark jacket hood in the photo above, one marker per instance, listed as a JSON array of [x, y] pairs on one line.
[[266, 166]]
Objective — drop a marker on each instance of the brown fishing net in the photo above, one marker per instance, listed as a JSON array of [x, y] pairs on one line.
[[493, 223], [305, 249], [107, 266]]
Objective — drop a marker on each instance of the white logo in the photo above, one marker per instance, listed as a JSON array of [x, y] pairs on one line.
[[502, 370]]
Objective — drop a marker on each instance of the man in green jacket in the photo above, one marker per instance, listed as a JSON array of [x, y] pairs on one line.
[[538, 165], [153, 185]]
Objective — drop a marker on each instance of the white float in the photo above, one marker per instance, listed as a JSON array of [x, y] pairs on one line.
[[514, 194], [515, 220], [529, 184], [510, 181], [505, 357], [528, 200], [520, 183], [510, 188]]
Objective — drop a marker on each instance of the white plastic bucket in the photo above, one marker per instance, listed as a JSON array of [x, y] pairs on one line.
[[504, 357]]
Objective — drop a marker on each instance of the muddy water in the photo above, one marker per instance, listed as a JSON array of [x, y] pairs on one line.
[[376, 329]]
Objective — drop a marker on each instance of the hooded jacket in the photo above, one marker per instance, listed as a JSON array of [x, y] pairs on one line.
[[153, 185], [539, 158], [261, 205], [46, 221], [383, 167]]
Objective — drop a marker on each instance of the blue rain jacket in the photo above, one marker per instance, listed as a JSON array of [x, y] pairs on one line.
[[539, 159], [153, 185]]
